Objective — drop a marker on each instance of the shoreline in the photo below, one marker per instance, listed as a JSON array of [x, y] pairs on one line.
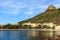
[[34, 29]]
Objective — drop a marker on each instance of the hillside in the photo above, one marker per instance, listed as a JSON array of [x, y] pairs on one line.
[[50, 15]]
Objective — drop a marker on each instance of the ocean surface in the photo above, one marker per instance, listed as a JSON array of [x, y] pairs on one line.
[[27, 34]]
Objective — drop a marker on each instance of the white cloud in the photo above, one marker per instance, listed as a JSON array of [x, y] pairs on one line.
[[29, 12], [5, 4], [57, 5], [14, 12], [14, 7], [11, 7]]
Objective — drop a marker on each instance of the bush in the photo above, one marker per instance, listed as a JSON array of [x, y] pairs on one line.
[[39, 27]]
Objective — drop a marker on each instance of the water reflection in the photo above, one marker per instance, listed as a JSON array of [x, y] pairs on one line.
[[41, 35], [27, 34]]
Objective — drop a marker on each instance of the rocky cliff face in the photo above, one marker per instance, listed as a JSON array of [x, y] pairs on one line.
[[51, 7]]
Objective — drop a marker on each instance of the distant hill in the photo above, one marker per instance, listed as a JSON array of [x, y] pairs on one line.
[[50, 15]]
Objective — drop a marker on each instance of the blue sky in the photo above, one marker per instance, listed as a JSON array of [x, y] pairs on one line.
[[13, 11]]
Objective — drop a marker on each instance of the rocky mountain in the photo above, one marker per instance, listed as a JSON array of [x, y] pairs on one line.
[[52, 14]]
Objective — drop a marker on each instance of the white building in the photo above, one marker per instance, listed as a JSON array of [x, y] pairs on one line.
[[49, 24], [57, 27], [32, 24], [36, 24]]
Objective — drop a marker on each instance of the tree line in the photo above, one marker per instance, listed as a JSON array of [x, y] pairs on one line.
[[9, 26]]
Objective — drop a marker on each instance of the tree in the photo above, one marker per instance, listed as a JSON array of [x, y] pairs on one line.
[[9, 26], [25, 26], [16, 27], [39, 26], [45, 26], [20, 26], [53, 27], [58, 8], [4, 26], [29, 27]]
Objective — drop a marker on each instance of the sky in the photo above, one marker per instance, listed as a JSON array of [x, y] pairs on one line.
[[13, 11]]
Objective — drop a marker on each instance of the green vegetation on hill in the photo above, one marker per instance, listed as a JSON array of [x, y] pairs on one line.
[[50, 15]]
